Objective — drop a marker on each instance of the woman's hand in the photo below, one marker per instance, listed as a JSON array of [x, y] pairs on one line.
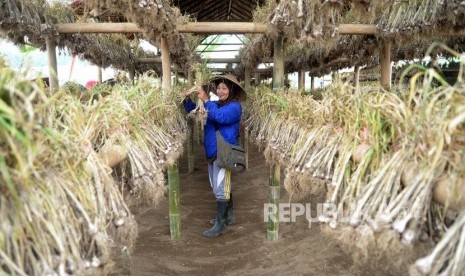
[[202, 95]]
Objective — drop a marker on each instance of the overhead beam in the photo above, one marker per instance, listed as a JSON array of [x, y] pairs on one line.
[[207, 60], [221, 27], [199, 27], [226, 70], [357, 29]]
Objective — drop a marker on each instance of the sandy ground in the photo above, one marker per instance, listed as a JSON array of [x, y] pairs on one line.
[[244, 249]]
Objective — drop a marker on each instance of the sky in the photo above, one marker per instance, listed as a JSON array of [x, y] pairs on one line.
[[35, 64]]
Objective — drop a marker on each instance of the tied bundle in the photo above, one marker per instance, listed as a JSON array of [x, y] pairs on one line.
[[199, 114]]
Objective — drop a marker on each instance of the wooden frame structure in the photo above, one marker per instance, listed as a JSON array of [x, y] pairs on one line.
[[219, 28]]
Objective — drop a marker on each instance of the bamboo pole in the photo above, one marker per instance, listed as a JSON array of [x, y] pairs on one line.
[[226, 70], [174, 201], [386, 69], [312, 83], [245, 134], [190, 27], [257, 78], [301, 80], [221, 27], [357, 77], [99, 75], [132, 74], [273, 219], [357, 29], [166, 65], [275, 170], [52, 62], [206, 60], [176, 77], [278, 61], [199, 27], [245, 144], [190, 137], [173, 173]]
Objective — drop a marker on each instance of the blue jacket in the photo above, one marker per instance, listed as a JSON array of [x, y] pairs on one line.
[[226, 119]]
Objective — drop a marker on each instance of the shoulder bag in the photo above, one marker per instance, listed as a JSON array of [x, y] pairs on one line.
[[229, 156]]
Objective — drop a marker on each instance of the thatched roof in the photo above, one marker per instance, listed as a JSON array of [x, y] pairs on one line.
[[219, 10]]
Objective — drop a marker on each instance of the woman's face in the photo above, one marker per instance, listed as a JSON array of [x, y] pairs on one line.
[[223, 91]]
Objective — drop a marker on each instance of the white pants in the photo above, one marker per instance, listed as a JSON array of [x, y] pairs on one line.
[[220, 180]]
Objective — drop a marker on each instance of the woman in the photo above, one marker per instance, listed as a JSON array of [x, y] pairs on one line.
[[224, 116]]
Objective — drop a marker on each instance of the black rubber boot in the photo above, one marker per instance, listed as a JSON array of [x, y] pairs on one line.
[[230, 219], [219, 227]]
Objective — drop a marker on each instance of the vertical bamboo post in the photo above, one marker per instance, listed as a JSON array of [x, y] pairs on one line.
[[312, 83], [99, 75], [357, 77], [174, 202], [198, 127], [385, 59], [132, 73], [275, 170], [257, 79], [273, 219], [165, 65], [245, 134], [278, 61], [190, 137], [173, 173], [52, 62], [245, 144], [301, 80]]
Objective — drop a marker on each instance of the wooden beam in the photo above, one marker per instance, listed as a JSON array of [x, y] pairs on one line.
[[357, 77], [174, 201], [165, 65], [206, 60], [275, 170], [190, 131], [386, 68], [357, 29], [226, 70], [257, 79], [52, 63], [99, 74], [301, 80], [199, 27], [132, 75], [70, 28], [278, 61], [221, 27], [191, 27]]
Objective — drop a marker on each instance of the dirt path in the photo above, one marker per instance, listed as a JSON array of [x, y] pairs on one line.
[[243, 250]]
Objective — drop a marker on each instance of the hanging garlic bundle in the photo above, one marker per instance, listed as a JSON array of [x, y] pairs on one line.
[[202, 75], [199, 114]]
